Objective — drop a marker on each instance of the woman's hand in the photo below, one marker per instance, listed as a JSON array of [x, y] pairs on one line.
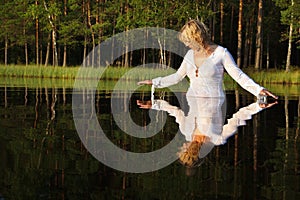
[[267, 105], [145, 82], [265, 92], [144, 104]]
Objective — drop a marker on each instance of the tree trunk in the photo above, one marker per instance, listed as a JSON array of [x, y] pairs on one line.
[[259, 35], [37, 36], [25, 46], [288, 57], [239, 49], [99, 20], [54, 47], [5, 97], [221, 20], [65, 45], [247, 44], [268, 52], [213, 27], [48, 50], [289, 52], [6, 50], [91, 29], [85, 36], [126, 58], [231, 26], [250, 59]]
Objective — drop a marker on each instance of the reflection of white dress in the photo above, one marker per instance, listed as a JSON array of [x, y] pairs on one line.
[[208, 114], [210, 76]]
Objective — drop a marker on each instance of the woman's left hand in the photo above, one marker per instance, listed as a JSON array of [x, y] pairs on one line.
[[267, 93], [268, 105]]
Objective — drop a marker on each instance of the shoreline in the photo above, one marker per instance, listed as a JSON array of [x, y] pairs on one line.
[[279, 77]]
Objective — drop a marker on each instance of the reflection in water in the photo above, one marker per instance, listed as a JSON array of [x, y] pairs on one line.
[[203, 126], [59, 167]]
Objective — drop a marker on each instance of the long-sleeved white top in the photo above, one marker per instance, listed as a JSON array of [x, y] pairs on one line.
[[209, 82]]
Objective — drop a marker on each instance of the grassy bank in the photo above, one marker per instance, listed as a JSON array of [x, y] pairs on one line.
[[115, 73]]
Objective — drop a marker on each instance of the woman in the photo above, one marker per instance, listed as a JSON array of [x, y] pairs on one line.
[[204, 65]]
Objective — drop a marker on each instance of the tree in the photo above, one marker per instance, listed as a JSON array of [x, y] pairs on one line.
[[290, 16], [259, 35], [239, 49]]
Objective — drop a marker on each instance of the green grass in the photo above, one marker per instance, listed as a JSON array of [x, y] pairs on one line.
[[275, 76], [138, 73], [279, 82]]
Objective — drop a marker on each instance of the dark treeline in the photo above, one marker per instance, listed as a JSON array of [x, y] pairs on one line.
[[262, 34]]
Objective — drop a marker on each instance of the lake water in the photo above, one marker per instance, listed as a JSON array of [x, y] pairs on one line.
[[42, 156]]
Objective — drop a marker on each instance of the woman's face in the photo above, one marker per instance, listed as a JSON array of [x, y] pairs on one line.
[[191, 45], [188, 41]]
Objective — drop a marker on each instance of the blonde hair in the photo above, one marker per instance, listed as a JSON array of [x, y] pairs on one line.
[[196, 33], [188, 155]]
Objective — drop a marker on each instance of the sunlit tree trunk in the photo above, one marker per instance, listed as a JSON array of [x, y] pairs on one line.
[[99, 21], [65, 45], [213, 22], [259, 35], [126, 55], [48, 50], [25, 46], [89, 17], [289, 52], [239, 49], [221, 20], [160, 47], [85, 35], [51, 19]]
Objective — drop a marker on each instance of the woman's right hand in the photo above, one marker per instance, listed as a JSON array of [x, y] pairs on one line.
[[144, 104], [145, 82]]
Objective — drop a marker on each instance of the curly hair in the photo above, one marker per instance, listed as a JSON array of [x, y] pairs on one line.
[[196, 33], [188, 156]]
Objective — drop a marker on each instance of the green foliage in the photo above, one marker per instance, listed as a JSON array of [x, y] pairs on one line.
[[78, 23], [290, 14]]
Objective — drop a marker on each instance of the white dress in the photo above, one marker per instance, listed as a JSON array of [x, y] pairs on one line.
[[209, 82]]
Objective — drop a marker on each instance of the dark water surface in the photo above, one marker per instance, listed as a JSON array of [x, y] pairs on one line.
[[42, 157]]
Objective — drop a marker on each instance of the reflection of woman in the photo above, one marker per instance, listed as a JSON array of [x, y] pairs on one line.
[[203, 126], [204, 65]]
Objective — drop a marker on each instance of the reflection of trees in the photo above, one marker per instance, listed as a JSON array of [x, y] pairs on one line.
[[283, 166], [35, 158], [56, 166], [5, 96]]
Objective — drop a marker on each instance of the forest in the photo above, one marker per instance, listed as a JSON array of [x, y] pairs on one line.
[[259, 34]]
